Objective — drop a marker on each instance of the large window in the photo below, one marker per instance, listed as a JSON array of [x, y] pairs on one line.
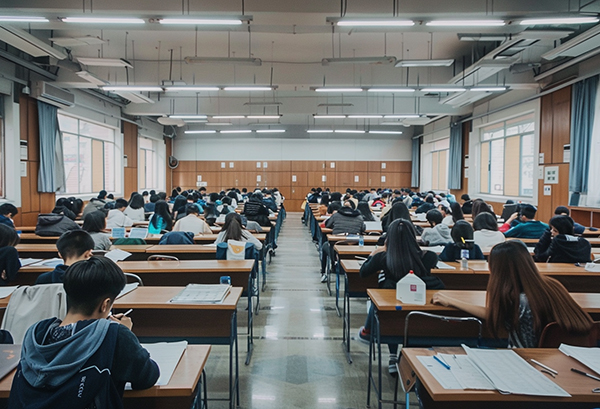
[[151, 164], [439, 163], [2, 163], [507, 157], [91, 156]]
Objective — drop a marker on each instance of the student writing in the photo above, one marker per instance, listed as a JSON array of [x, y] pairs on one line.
[[72, 247]]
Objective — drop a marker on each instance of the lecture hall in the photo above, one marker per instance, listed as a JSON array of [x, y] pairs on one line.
[[266, 204]]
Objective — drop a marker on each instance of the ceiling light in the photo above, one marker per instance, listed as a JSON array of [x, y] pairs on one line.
[[263, 103], [237, 131], [319, 131], [223, 60], [136, 98], [263, 116], [391, 90], [77, 41], [103, 20], [191, 88], [270, 131], [387, 132], [105, 62], [401, 116], [365, 116], [133, 88], [28, 43], [443, 89], [375, 23], [250, 88], [463, 23], [559, 20], [349, 89], [200, 132], [425, 63], [195, 121], [186, 116], [348, 131], [488, 89], [227, 116], [336, 105], [329, 116], [200, 21], [481, 37], [23, 19], [359, 60], [89, 77]]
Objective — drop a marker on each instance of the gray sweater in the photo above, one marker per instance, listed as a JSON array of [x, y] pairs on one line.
[[346, 220], [437, 235]]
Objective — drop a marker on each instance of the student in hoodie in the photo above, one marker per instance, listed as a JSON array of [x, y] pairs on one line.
[[559, 245], [564, 211], [7, 213], [84, 360], [462, 236], [255, 210], [427, 206], [269, 201], [73, 246], [96, 203], [9, 257], [63, 206], [438, 233]]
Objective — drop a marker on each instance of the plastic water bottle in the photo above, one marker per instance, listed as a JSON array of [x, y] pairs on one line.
[[361, 240], [464, 259]]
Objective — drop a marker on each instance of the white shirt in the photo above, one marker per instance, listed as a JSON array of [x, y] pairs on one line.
[[193, 224], [137, 215], [486, 239], [448, 220], [246, 236], [117, 218]]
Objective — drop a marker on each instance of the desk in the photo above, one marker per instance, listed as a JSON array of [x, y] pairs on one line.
[[579, 387], [184, 251], [48, 250], [334, 238]]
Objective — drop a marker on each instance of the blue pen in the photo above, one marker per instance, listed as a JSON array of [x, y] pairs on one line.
[[441, 362]]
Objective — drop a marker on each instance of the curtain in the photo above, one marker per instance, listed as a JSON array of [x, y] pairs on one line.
[[455, 157], [592, 198], [582, 120], [416, 162], [51, 176]]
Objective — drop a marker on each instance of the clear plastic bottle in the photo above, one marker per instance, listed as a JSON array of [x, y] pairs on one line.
[[361, 240], [464, 259]]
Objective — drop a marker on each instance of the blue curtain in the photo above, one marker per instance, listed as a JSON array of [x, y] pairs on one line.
[[582, 121], [51, 174], [416, 162], [455, 157]]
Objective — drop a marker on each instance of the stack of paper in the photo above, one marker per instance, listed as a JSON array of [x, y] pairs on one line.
[[28, 261], [589, 357], [202, 294], [53, 262]]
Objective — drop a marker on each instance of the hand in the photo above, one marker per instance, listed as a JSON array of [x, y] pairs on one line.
[[122, 319], [512, 217], [379, 249], [4, 276], [442, 299]]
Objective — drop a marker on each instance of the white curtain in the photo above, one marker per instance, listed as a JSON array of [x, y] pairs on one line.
[[592, 198]]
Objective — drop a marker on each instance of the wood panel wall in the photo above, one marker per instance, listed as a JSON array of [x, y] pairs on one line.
[[293, 178], [130, 148]]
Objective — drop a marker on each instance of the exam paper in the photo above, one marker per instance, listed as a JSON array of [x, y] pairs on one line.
[[117, 255], [28, 261], [53, 262], [589, 357], [167, 355], [435, 249], [373, 225], [128, 288], [443, 266], [6, 291]]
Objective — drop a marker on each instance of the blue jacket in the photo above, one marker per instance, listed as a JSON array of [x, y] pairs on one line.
[[452, 252], [53, 277], [531, 229], [7, 221]]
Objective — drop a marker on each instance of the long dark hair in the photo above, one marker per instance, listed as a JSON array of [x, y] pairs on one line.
[[233, 227], [398, 211], [94, 222], [486, 221], [403, 253], [462, 234], [161, 208], [8, 236], [479, 206], [365, 210], [457, 213], [136, 201]]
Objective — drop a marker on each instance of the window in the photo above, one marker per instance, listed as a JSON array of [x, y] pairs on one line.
[[2, 163], [151, 161], [439, 162], [92, 157], [507, 157]]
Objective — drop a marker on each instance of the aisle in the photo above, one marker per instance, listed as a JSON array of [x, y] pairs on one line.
[[298, 360]]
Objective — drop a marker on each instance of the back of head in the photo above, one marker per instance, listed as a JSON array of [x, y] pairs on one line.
[[213, 197], [365, 210], [485, 221], [94, 222], [102, 194], [8, 209], [89, 282], [8, 236], [233, 226], [74, 244], [457, 213], [325, 199], [136, 201], [399, 211], [162, 195], [562, 210], [120, 204], [479, 206], [462, 234], [192, 208], [434, 216], [563, 224], [429, 199], [335, 197], [161, 208], [528, 211], [403, 254], [350, 204], [154, 198], [334, 206], [226, 200], [465, 197]]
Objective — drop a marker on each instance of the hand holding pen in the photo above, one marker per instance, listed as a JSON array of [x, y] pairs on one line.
[[122, 319]]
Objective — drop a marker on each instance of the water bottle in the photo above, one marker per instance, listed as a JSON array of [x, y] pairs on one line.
[[464, 259], [361, 240]]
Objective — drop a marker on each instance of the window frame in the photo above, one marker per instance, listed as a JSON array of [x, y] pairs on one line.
[[159, 162]]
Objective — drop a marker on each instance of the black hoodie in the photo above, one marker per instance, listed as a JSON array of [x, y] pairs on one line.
[[562, 249], [54, 225], [346, 220]]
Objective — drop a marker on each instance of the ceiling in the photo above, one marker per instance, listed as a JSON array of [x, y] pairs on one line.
[[291, 38]]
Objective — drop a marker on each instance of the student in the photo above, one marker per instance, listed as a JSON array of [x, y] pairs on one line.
[[559, 245], [96, 203], [394, 260], [116, 216], [462, 236], [192, 222], [9, 257], [521, 300], [72, 247], [427, 206], [95, 224], [564, 211], [365, 211], [457, 213], [179, 207], [324, 204], [444, 208], [52, 224], [233, 230], [161, 219], [146, 196], [467, 205], [7, 213], [135, 208], [398, 211], [255, 210], [480, 206], [89, 345], [149, 207], [226, 207], [438, 233], [486, 233], [528, 228]]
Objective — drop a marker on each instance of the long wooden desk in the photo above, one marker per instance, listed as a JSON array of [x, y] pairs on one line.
[[48, 250], [334, 238], [435, 396], [184, 251], [154, 239]]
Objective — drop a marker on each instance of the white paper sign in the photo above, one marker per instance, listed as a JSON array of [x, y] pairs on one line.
[[23, 169], [551, 175], [547, 190], [231, 165], [383, 179], [199, 179], [294, 178], [222, 165], [323, 178], [356, 178], [383, 165], [265, 165], [258, 178], [332, 165], [258, 164]]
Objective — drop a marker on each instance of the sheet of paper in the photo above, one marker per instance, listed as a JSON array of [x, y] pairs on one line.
[[435, 249], [128, 288], [117, 255], [28, 261], [138, 233], [52, 262], [590, 357], [202, 293], [167, 356], [118, 232], [443, 266], [510, 373], [6, 291], [467, 374], [444, 377]]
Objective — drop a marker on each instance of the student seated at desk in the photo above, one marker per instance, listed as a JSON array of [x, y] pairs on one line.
[[63, 206], [528, 227], [564, 211], [116, 217], [149, 207], [324, 204], [462, 237], [438, 234], [559, 245], [161, 219], [96, 203], [365, 211], [192, 222], [9, 257], [7, 213], [255, 210], [95, 224], [135, 208], [84, 360], [486, 233], [233, 230], [398, 211], [73, 246], [427, 206], [521, 300], [400, 255]]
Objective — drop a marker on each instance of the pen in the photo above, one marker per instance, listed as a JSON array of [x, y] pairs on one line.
[[445, 365], [544, 366], [585, 374], [124, 314]]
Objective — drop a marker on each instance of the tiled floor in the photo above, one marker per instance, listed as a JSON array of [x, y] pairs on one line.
[[298, 361]]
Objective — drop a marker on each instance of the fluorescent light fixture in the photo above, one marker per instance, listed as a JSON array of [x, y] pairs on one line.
[[488, 89], [103, 20], [425, 63], [191, 88], [401, 116], [135, 98], [201, 132], [237, 131], [348, 89], [467, 23], [348, 131], [443, 89], [391, 90], [359, 60], [195, 121], [227, 116], [28, 43], [263, 116], [219, 124], [329, 116], [336, 105], [89, 77], [249, 88], [365, 116], [201, 21], [263, 103], [105, 62], [270, 131], [23, 19], [320, 131], [223, 60], [387, 132], [133, 88], [375, 23], [186, 116], [559, 20], [77, 41]]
